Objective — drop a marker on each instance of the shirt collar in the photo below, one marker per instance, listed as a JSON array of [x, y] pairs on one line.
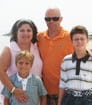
[[60, 35], [20, 78], [84, 59]]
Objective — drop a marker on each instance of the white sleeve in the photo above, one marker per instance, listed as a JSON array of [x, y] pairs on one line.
[[63, 76]]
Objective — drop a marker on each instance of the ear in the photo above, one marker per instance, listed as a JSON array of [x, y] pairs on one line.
[[61, 18], [90, 52], [88, 40]]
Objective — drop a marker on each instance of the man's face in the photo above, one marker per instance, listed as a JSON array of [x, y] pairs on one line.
[[53, 19]]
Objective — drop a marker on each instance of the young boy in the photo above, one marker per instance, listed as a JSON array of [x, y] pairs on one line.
[[31, 84]]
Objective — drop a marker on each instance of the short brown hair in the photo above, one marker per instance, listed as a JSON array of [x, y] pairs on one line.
[[78, 30], [26, 54]]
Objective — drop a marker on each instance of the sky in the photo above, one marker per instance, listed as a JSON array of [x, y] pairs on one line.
[[74, 12]]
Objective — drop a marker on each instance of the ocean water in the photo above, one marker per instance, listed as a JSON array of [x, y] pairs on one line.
[[4, 40]]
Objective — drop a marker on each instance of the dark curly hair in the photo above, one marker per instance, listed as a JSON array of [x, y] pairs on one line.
[[18, 24]]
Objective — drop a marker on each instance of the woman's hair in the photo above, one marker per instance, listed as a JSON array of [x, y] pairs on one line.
[[25, 54], [18, 24], [78, 30]]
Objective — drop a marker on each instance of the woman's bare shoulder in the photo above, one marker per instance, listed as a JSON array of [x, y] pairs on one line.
[[5, 51], [5, 58]]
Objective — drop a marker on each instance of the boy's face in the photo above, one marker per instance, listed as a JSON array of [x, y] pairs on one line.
[[23, 66], [80, 41]]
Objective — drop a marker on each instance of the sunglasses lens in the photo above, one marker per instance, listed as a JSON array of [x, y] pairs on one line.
[[51, 18], [47, 18], [55, 18]]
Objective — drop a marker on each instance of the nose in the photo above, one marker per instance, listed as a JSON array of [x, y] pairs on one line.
[[23, 65], [26, 33], [51, 20]]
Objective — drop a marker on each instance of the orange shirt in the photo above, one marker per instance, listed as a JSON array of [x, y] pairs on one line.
[[52, 52]]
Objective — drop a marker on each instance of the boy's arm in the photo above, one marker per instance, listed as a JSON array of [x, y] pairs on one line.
[[61, 94], [6, 101], [43, 100]]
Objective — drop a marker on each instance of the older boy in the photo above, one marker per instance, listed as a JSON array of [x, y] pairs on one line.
[[76, 75]]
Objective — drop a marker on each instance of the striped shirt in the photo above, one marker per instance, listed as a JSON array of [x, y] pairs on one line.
[[69, 79]]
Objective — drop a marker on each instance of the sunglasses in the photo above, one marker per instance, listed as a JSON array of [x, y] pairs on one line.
[[51, 18]]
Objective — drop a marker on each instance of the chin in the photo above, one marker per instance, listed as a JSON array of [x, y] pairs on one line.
[[80, 49], [24, 75]]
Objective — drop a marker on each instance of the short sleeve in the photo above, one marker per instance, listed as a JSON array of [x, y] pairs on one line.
[[63, 76], [41, 89], [6, 92]]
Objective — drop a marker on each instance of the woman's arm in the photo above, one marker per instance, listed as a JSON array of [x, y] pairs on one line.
[[5, 61]]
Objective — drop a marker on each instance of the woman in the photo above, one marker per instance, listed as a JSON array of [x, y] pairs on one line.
[[23, 37], [76, 75]]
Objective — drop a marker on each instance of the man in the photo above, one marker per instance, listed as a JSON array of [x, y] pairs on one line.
[[54, 44]]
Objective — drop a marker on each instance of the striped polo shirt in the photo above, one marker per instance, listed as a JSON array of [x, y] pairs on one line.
[[76, 81]]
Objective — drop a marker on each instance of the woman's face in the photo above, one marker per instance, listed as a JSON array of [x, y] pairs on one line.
[[80, 41], [25, 34]]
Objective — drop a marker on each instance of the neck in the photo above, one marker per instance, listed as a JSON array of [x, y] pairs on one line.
[[81, 54], [24, 46], [54, 32]]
